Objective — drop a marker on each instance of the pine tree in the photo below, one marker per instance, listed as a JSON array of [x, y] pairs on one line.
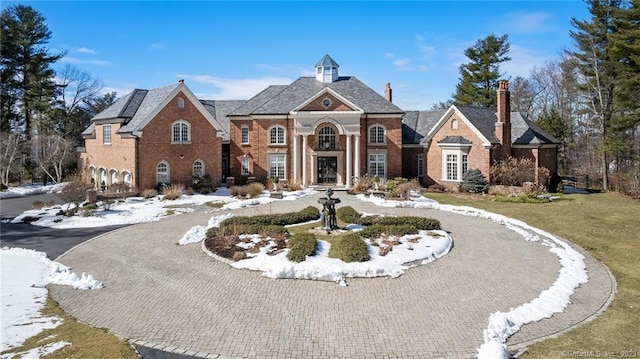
[[597, 67], [25, 67], [479, 77]]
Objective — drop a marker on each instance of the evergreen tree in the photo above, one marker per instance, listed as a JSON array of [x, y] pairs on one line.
[[25, 67], [479, 77], [597, 67]]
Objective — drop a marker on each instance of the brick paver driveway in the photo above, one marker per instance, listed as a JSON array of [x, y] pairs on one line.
[[178, 299]]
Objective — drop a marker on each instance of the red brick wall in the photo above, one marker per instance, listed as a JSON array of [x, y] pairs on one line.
[[479, 157], [155, 146], [393, 146], [410, 161], [120, 155]]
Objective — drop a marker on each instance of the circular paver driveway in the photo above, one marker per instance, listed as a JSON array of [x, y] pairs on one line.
[[177, 298]]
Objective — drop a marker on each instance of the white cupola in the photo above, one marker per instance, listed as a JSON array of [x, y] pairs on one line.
[[327, 70]]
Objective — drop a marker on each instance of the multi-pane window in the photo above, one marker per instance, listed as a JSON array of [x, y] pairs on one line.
[[244, 134], [455, 163], [180, 132], [245, 166], [276, 166], [276, 135], [420, 166], [327, 138], [465, 164], [198, 168], [106, 134], [377, 165], [452, 167], [376, 134], [162, 173]]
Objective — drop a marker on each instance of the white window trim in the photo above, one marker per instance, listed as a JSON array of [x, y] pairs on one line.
[[180, 103], [455, 124], [459, 152], [384, 134], [384, 153], [242, 128], [168, 172], [284, 135], [242, 167], [181, 122], [106, 140], [284, 156], [193, 167]]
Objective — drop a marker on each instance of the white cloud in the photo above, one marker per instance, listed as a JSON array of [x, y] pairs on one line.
[[235, 89], [527, 23], [120, 91], [85, 50], [523, 60], [75, 60]]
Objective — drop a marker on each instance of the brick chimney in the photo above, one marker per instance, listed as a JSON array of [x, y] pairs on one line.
[[503, 121], [387, 92]]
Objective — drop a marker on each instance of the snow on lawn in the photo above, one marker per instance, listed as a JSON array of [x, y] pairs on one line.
[[25, 190], [25, 273], [134, 210], [416, 249], [552, 300]]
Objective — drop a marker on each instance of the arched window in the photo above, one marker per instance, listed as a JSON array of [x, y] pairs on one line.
[[127, 178], [327, 138], [454, 124], [276, 135], [92, 176], [162, 173], [198, 168], [180, 102], [377, 134], [180, 131], [102, 178], [245, 170], [114, 176]]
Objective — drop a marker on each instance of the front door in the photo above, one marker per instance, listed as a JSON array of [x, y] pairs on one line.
[[327, 169]]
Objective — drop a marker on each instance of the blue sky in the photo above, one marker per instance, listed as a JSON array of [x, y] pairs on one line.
[[233, 50]]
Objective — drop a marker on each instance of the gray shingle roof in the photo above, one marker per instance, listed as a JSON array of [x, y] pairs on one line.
[[455, 140], [483, 119], [327, 61], [149, 103], [283, 99], [416, 124], [89, 130], [525, 132], [219, 109]]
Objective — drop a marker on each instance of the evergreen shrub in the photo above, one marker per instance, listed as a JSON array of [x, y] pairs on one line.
[[474, 181], [349, 248], [302, 245]]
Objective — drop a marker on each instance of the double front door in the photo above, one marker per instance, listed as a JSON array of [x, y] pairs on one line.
[[327, 169]]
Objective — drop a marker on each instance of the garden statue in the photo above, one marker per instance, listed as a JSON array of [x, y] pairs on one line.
[[329, 210]]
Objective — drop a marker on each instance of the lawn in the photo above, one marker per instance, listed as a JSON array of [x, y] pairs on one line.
[[608, 226]]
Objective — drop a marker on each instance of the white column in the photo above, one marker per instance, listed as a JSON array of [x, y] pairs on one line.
[[304, 159], [349, 156], [296, 157], [356, 157]]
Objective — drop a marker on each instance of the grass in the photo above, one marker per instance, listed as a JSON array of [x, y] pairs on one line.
[[608, 226], [86, 341], [213, 204]]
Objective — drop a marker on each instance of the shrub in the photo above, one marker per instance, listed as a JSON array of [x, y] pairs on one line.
[[512, 171], [203, 184], [238, 229], [107, 204], [294, 186], [37, 205], [348, 215], [421, 223], [3, 187], [302, 245], [254, 189], [436, 187], [238, 191], [474, 181], [362, 184], [307, 214], [403, 190], [172, 191], [391, 185], [349, 248], [149, 193], [75, 190], [377, 230]]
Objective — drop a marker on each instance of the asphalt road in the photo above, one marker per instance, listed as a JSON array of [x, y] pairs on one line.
[[54, 242]]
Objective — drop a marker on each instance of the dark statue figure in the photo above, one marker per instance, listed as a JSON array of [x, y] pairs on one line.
[[329, 220]]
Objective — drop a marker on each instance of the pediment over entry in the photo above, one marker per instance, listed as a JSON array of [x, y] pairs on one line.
[[327, 100]]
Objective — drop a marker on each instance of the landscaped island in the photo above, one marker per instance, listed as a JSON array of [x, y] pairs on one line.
[[293, 245]]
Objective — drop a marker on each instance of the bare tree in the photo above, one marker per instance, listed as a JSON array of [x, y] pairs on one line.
[[10, 144], [54, 153]]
